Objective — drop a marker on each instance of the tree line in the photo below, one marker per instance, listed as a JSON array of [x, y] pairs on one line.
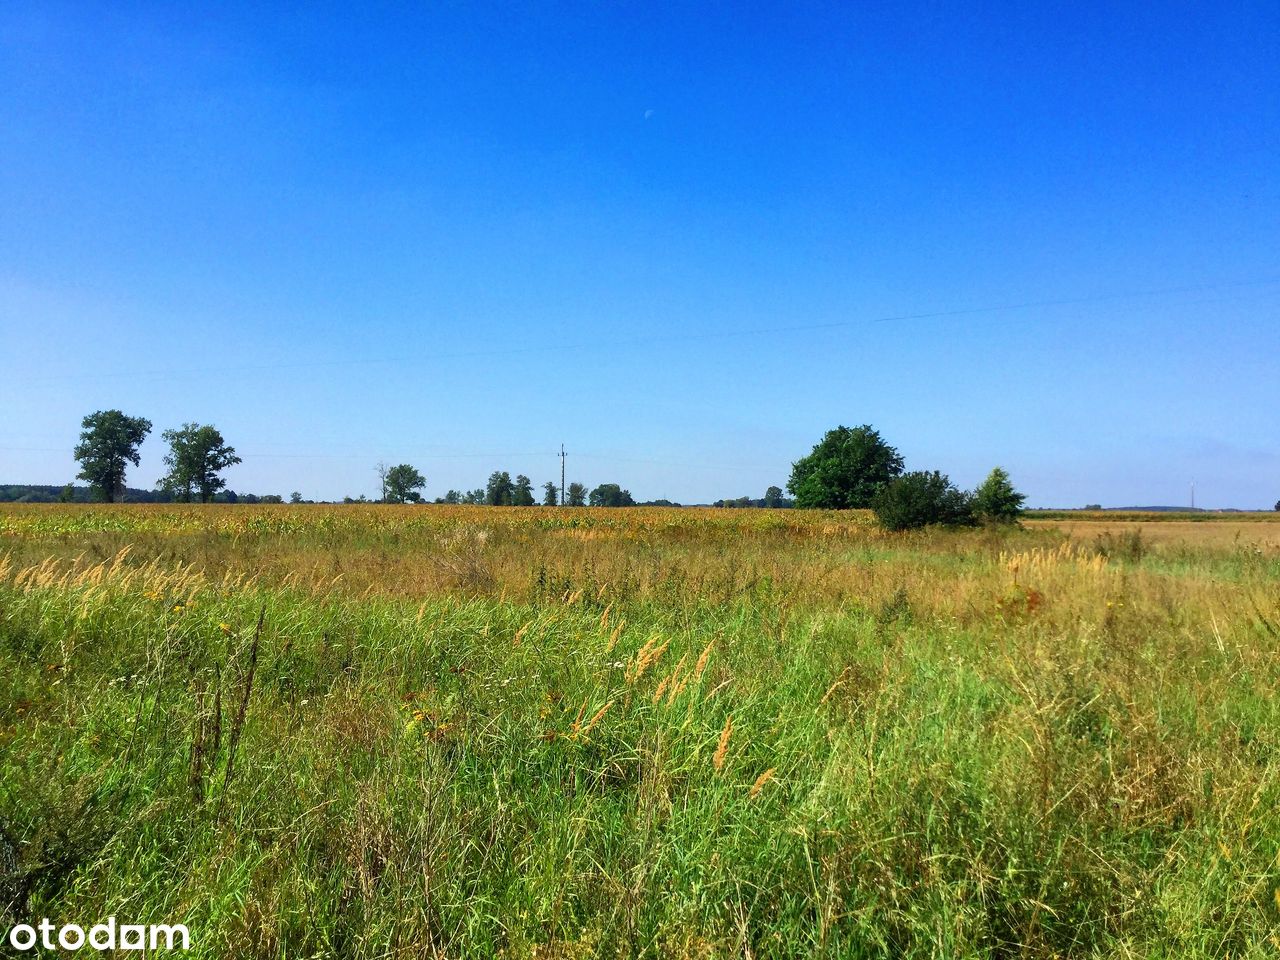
[[855, 468], [198, 455], [772, 500], [849, 468]]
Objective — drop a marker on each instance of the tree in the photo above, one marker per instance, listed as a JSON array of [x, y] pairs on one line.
[[453, 496], [295, 497], [550, 494], [68, 495], [197, 454], [1278, 505], [276, 498], [108, 441], [846, 469], [522, 492], [921, 498], [773, 498], [499, 490], [611, 495], [577, 495], [996, 499], [402, 483], [473, 496], [382, 470]]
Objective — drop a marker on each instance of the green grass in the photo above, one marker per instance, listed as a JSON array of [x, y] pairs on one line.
[[1094, 774]]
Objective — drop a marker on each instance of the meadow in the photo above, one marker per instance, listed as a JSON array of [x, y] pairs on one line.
[[375, 731]]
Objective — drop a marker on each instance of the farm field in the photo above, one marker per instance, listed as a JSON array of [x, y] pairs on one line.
[[375, 731]]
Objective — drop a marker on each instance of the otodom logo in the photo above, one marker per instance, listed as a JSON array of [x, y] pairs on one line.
[[101, 936]]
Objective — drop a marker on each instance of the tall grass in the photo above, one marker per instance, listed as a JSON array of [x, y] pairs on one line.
[[477, 733]]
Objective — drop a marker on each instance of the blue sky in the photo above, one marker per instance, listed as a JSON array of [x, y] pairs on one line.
[[667, 235]]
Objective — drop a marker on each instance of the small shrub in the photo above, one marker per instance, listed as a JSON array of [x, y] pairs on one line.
[[921, 498], [1124, 545]]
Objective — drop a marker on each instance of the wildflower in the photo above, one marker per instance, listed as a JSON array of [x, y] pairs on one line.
[[225, 627]]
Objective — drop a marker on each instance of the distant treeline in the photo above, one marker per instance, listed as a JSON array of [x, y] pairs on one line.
[[772, 500], [43, 493]]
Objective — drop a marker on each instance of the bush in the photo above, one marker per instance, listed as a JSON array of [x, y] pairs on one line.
[[920, 498]]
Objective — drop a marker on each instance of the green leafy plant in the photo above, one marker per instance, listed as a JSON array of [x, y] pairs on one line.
[[921, 498]]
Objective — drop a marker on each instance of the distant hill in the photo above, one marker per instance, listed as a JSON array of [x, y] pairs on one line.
[[1162, 509], [1175, 510], [1184, 513]]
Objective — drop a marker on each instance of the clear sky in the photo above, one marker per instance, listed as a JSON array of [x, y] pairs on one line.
[[670, 236]]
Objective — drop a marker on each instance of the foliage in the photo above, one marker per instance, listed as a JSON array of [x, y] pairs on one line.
[[920, 498], [499, 491], [108, 441], [550, 494], [772, 500], [577, 495], [997, 500], [846, 469], [610, 495], [522, 492], [197, 455], [403, 483]]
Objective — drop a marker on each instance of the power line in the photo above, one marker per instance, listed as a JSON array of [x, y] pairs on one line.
[[426, 457], [562, 455], [654, 339]]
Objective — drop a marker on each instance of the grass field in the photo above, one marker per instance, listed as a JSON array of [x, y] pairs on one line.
[[539, 733]]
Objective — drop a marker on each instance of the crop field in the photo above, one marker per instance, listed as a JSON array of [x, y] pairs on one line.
[[455, 732]]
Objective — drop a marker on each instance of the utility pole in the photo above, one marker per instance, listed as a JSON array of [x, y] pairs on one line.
[[562, 474], [1193, 494]]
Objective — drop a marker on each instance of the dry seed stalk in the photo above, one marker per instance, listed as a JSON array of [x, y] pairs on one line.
[[722, 749], [596, 719], [701, 665], [761, 781], [613, 637], [237, 722]]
